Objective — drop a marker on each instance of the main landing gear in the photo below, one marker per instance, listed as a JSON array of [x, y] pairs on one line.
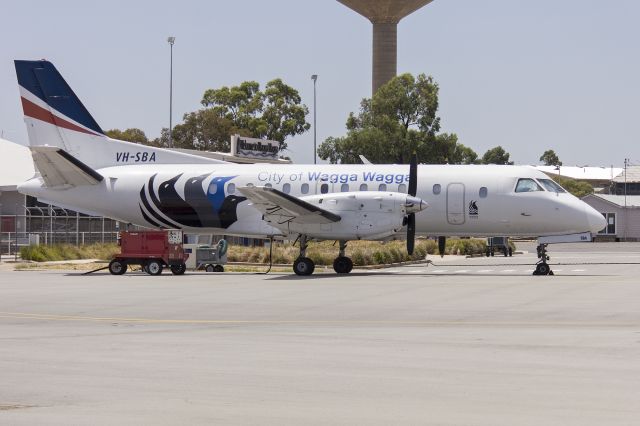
[[305, 266], [542, 267], [342, 264]]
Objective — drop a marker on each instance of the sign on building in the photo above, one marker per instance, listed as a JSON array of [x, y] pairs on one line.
[[242, 146]]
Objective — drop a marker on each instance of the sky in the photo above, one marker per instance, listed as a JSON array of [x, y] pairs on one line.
[[526, 75]]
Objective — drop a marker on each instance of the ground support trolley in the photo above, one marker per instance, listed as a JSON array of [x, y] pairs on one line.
[[152, 250], [498, 244]]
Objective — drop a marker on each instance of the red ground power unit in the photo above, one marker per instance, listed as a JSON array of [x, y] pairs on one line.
[[153, 250]]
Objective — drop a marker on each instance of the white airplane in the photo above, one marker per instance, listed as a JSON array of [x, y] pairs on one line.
[[82, 169]]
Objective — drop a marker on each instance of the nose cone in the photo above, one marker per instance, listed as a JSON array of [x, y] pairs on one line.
[[597, 222], [415, 204]]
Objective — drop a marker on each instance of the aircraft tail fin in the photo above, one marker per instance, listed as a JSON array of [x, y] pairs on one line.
[[56, 117]]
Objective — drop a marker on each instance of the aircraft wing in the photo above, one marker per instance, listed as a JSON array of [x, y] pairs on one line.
[[282, 208], [58, 168]]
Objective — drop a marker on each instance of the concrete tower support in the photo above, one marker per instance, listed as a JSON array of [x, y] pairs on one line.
[[385, 53], [384, 15]]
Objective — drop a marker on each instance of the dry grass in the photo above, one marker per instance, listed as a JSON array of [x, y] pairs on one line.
[[323, 253], [361, 252]]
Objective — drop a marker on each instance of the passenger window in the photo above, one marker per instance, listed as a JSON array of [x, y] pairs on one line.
[[344, 187], [305, 188], [324, 188], [268, 185], [231, 188], [364, 187], [286, 188], [402, 188], [436, 188], [213, 188], [483, 192], [250, 185], [382, 187], [551, 185], [527, 185]]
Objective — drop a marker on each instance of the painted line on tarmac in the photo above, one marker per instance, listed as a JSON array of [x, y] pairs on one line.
[[505, 323]]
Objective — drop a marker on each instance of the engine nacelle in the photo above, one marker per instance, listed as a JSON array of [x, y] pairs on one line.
[[369, 215]]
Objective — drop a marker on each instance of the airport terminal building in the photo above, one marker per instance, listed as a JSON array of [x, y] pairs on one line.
[[622, 215]]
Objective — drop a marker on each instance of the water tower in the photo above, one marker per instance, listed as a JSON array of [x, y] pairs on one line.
[[384, 15]]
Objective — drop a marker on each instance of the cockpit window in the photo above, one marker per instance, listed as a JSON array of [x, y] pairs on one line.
[[551, 185], [527, 185]]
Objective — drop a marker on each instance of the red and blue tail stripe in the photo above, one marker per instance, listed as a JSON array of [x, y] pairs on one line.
[[43, 86]]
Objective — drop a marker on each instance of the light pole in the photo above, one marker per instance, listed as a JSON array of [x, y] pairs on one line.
[[171, 40], [314, 77]]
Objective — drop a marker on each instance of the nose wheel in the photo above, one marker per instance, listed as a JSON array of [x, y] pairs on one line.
[[542, 267]]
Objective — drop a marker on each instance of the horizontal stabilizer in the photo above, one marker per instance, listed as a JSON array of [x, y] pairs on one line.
[[58, 168], [281, 208]]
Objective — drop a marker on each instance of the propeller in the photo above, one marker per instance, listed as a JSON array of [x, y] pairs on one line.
[[411, 218]]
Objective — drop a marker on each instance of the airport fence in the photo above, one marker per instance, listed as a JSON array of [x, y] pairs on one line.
[[50, 226]]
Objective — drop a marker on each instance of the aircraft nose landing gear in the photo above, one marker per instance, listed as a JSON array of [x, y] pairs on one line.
[[542, 267]]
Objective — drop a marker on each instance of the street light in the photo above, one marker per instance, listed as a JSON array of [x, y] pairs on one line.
[[171, 40], [314, 77]]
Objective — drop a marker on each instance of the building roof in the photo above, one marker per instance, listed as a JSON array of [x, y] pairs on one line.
[[582, 173], [16, 165], [633, 175], [619, 200]]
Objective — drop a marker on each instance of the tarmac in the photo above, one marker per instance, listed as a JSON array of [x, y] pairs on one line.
[[476, 341]]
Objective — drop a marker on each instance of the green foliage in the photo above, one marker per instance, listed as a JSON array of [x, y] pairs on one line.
[[575, 187], [549, 158], [203, 130], [496, 155], [129, 135], [58, 252], [399, 119], [273, 114]]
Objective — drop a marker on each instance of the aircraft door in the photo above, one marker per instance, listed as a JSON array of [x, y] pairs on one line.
[[455, 203]]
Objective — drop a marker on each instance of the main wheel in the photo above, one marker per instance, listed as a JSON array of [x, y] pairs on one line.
[[303, 266], [178, 269], [218, 268], [117, 267], [542, 269], [154, 267], [510, 252], [342, 265], [210, 268]]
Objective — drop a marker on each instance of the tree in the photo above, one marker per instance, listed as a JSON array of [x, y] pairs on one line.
[[274, 114], [550, 158], [203, 130], [129, 135], [496, 155], [399, 119], [575, 187]]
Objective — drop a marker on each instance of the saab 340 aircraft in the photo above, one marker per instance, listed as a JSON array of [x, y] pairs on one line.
[[80, 168]]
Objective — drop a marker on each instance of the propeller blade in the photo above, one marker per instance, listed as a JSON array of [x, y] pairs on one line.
[[442, 242], [411, 232], [413, 175]]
